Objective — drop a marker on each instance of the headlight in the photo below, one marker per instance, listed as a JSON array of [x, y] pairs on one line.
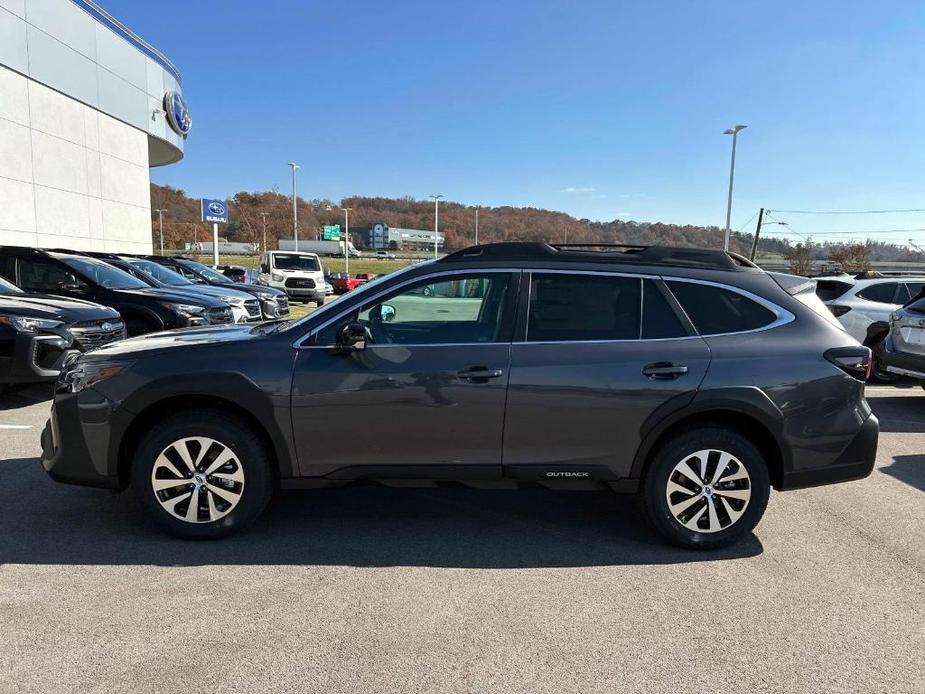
[[184, 309], [277, 277], [78, 374], [27, 324]]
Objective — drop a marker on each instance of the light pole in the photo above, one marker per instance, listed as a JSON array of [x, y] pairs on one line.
[[264, 215], [160, 219], [436, 198], [347, 211], [295, 212], [732, 169], [476, 226]]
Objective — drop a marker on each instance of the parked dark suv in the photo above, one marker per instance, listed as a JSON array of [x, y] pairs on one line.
[[687, 376], [38, 332], [74, 275]]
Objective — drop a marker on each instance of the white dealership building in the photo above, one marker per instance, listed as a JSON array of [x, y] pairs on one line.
[[86, 108]]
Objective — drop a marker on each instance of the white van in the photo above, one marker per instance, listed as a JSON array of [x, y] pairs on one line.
[[297, 273]]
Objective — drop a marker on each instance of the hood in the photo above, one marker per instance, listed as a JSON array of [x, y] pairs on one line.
[[210, 336], [253, 289], [174, 295], [54, 307]]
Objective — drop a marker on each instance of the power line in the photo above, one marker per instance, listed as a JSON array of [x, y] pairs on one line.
[[915, 209]]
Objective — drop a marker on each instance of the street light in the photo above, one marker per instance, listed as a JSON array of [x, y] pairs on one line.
[[160, 217], [476, 226], [732, 169], [436, 199], [347, 211], [295, 212]]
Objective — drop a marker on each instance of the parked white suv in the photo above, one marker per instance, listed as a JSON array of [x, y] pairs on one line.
[[297, 273], [863, 304]]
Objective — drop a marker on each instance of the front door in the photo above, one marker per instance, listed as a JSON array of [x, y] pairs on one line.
[[425, 397], [601, 353]]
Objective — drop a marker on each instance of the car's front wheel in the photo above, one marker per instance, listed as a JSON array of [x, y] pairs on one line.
[[706, 488], [202, 475]]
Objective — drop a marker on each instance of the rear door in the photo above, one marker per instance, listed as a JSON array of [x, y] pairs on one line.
[[599, 354]]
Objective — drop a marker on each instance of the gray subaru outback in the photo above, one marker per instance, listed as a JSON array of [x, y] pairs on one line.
[[688, 377]]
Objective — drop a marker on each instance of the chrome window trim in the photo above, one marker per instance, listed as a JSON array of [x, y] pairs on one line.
[[783, 316], [298, 344]]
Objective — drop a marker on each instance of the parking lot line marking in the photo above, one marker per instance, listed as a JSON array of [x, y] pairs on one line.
[[15, 426]]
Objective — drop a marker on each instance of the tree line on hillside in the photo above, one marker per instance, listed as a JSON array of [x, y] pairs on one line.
[[246, 224]]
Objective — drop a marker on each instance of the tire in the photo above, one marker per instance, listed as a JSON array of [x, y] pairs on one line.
[[319, 302], [730, 519], [244, 482], [878, 373]]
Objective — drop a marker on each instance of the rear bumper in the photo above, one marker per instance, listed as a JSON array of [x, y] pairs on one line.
[[902, 363], [856, 461]]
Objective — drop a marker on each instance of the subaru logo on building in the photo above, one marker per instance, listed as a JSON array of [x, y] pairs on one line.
[[178, 114], [217, 208]]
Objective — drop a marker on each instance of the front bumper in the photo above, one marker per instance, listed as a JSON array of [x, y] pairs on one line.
[[31, 357], [75, 441], [855, 462]]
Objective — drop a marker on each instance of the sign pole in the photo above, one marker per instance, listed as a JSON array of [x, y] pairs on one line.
[[215, 243]]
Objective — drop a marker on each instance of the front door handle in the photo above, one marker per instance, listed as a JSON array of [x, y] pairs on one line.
[[663, 370], [478, 374]]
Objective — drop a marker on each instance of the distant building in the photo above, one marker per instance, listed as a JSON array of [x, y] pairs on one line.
[[381, 236]]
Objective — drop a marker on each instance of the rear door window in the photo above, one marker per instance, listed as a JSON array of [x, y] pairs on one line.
[[580, 307], [715, 311], [883, 293]]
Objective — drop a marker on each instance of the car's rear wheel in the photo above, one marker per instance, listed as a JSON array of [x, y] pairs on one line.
[[878, 372], [202, 475], [706, 488]]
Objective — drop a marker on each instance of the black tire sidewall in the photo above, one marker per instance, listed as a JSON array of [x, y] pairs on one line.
[[226, 429], [664, 461]]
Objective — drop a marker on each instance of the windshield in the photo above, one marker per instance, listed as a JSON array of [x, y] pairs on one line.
[[103, 274], [333, 307], [207, 272], [293, 261], [162, 274], [8, 288]]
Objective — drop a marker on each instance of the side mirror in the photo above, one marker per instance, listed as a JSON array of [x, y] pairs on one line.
[[387, 313], [352, 336]]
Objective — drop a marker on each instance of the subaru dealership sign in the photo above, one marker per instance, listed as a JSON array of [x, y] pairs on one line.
[[215, 211]]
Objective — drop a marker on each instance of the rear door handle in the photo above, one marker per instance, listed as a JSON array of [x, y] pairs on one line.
[[479, 374], [663, 370]]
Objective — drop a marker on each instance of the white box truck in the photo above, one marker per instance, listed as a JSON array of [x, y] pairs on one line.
[[322, 248]]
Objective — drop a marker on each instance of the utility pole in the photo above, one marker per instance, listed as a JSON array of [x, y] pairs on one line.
[[295, 211], [160, 217], [436, 198], [732, 169], [757, 232], [347, 211], [264, 215]]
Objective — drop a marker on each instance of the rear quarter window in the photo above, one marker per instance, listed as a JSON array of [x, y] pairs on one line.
[[827, 290], [715, 311]]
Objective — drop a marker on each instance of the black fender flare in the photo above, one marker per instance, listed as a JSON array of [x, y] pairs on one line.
[[243, 396], [143, 314], [743, 400]]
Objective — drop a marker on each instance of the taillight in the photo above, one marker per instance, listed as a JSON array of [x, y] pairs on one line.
[[839, 311], [854, 361]]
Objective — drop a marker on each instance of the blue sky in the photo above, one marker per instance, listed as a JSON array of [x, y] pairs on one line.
[[609, 109]]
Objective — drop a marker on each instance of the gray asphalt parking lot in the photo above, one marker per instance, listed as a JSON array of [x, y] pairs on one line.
[[368, 588]]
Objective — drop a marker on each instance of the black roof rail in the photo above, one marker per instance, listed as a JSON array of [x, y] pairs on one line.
[[706, 258]]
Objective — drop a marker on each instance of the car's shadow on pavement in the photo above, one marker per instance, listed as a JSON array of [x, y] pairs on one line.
[[360, 525], [14, 397], [900, 414], [909, 469]]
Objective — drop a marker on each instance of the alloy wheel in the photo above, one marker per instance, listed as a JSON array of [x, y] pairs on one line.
[[197, 479], [708, 491]]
